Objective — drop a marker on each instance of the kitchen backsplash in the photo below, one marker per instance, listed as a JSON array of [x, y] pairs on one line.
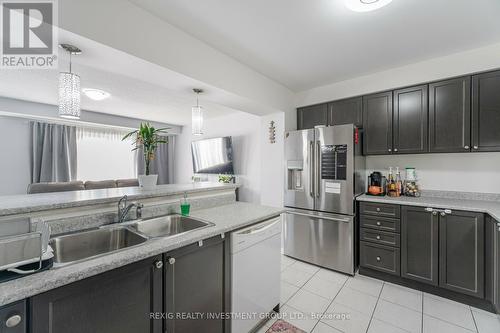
[[465, 172]]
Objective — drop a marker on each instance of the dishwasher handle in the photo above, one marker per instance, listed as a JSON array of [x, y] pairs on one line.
[[259, 228]]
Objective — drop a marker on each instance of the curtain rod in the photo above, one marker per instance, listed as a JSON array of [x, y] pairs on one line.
[[59, 121]]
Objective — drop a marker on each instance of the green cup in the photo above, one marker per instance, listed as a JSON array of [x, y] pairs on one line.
[[185, 209]]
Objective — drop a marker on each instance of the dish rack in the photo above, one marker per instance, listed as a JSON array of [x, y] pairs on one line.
[[20, 245]]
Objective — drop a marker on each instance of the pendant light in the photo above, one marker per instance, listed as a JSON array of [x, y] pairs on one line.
[[197, 115], [69, 88]]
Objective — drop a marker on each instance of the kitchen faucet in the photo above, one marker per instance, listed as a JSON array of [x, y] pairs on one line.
[[124, 209]]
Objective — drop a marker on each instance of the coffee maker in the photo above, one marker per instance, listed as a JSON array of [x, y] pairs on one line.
[[376, 184]]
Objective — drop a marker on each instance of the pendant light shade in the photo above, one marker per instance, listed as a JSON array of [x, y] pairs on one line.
[[69, 95], [69, 88], [197, 115]]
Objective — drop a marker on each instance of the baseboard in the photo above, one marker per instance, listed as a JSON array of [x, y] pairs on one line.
[[466, 299]]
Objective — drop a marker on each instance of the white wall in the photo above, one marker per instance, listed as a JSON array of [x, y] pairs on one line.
[[457, 64], [272, 174], [15, 160], [469, 172], [245, 130]]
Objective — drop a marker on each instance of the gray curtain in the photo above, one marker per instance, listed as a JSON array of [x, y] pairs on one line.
[[53, 152], [162, 165]]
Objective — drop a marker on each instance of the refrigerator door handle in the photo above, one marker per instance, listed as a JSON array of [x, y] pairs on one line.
[[317, 170], [311, 169]]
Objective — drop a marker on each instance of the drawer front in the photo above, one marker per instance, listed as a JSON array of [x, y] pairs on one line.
[[13, 318], [379, 257], [380, 237], [380, 223], [379, 209]]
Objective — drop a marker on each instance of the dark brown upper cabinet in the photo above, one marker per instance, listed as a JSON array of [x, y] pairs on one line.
[[486, 112], [377, 123], [410, 120], [311, 116], [461, 251], [346, 111], [449, 115]]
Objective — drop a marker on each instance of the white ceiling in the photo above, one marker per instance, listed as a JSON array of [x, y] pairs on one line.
[[138, 88], [307, 43]]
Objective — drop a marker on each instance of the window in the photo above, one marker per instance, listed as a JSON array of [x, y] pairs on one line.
[[102, 155]]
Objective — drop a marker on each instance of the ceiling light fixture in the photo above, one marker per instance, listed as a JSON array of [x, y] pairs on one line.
[[69, 88], [96, 94], [197, 115], [366, 5]]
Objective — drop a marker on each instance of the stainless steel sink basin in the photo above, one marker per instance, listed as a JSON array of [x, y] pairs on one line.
[[86, 244], [169, 225]]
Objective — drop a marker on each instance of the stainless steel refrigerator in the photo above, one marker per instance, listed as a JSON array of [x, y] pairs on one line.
[[325, 171]]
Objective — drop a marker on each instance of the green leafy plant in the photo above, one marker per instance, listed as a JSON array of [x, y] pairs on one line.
[[148, 138], [225, 179]]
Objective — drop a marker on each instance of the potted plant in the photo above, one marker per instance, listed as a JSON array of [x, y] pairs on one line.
[[148, 138]]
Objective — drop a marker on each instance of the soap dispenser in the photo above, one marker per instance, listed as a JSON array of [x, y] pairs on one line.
[[185, 206]]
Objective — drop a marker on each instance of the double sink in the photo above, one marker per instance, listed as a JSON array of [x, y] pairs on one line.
[[87, 244]]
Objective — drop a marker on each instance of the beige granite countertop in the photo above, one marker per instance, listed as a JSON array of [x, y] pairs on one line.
[[28, 203]]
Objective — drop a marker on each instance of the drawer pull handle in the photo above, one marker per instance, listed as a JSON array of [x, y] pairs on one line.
[[159, 264], [378, 237], [13, 321], [378, 223], [434, 213], [379, 259], [171, 261], [378, 209]]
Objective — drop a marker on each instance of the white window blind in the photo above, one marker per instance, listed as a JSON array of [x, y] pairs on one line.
[[102, 155]]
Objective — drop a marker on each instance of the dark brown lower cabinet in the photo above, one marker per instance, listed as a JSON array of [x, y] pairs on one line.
[[419, 245], [444, 249], [380, 257], [121, 300], [13, 318], [195, 286], [496, 258], [461, 251]]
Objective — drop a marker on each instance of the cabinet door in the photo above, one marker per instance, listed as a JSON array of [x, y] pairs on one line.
[[194, 283], [486, 112], [311, 116], [13, 318], [410, 120], [121, 300], [496, 281], [419, 245], [461, 249], [346, 111], [449, 115], [377, 123]]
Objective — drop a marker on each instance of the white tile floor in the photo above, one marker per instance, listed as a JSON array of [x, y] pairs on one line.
[[318, 300]]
